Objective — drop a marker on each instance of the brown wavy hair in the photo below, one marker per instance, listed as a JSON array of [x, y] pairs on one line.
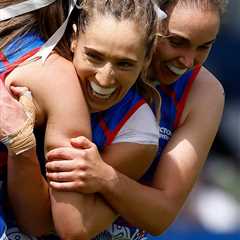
[[47, 20]]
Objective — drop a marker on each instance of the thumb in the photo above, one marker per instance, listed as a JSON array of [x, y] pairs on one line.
[[81, 142]]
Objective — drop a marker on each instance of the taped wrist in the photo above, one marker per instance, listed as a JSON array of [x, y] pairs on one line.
[[23, 139]]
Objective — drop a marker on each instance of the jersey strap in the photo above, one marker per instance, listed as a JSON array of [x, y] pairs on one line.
[[174, 98]]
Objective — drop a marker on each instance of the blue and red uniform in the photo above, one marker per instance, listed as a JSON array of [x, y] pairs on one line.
[[174, 97], [105, 125]]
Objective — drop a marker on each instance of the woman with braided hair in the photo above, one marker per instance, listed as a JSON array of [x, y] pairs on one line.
[[111, 70]]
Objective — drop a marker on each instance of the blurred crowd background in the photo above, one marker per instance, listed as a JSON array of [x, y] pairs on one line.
[[213, 208]]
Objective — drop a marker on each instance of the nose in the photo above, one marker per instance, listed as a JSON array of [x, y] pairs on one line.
[[188, 58], [105, 76]]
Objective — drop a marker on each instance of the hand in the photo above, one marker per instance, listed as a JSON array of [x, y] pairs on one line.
[[12, 115], [78, 168]]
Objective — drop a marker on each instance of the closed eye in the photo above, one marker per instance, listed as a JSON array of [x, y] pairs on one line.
[[125, 65], [206, 46], [93, 57], [176, 42]]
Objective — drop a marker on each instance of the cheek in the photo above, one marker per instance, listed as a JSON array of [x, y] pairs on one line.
[[164, 52], [202, 57], [129, 79], [83, 69]]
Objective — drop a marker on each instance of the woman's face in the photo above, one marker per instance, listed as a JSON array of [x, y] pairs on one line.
[[191, 33], [108, 59]]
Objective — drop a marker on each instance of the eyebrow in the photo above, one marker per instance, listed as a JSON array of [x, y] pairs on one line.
[[133, 61], [186, 39]]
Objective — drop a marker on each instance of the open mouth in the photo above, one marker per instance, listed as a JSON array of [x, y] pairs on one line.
[[175, 70], [100, 92]]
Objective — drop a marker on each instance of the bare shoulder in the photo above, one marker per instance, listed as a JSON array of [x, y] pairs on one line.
[[49, 82], [206, 98], [56, 71], [59, 67], [207, 86], [30, 74], [207, 91]]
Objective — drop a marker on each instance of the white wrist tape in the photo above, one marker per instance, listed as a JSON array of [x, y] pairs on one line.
[[23, 139]]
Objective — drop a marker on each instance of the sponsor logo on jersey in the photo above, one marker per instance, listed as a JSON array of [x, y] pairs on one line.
[[165, 133]]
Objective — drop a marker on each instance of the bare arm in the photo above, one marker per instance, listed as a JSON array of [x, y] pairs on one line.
[[97, 214], [75, 207], [154, 208], [179, 167], [65, 163], [49, 85]]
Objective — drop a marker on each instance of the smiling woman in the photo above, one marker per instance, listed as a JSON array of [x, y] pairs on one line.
[[108, 64], [187, 39], [111, 69], [187, 126]]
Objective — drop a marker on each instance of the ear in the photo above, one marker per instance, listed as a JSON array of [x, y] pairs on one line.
[[74, 38]]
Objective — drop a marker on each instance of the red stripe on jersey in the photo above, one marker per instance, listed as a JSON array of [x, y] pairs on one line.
[[10, 67], [26, 56], [3, 59], [182, 102], [111, 135]]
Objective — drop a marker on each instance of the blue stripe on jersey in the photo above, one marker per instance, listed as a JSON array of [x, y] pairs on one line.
[[19, 47], [112, 118]]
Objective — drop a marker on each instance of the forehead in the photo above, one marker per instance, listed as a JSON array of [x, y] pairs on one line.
[[107, 34], [194, 24]]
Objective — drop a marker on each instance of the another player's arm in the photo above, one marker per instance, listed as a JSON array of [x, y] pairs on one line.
[[130, 158], [60, 103], [179, 166]]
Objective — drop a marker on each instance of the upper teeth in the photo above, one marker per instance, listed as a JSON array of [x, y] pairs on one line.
[[176, 70], [104, 92]]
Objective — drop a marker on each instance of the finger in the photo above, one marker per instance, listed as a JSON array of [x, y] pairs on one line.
[[60, 166], [61, 153], [18, 91], [65, 186], [60, 176], [82, 142]]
